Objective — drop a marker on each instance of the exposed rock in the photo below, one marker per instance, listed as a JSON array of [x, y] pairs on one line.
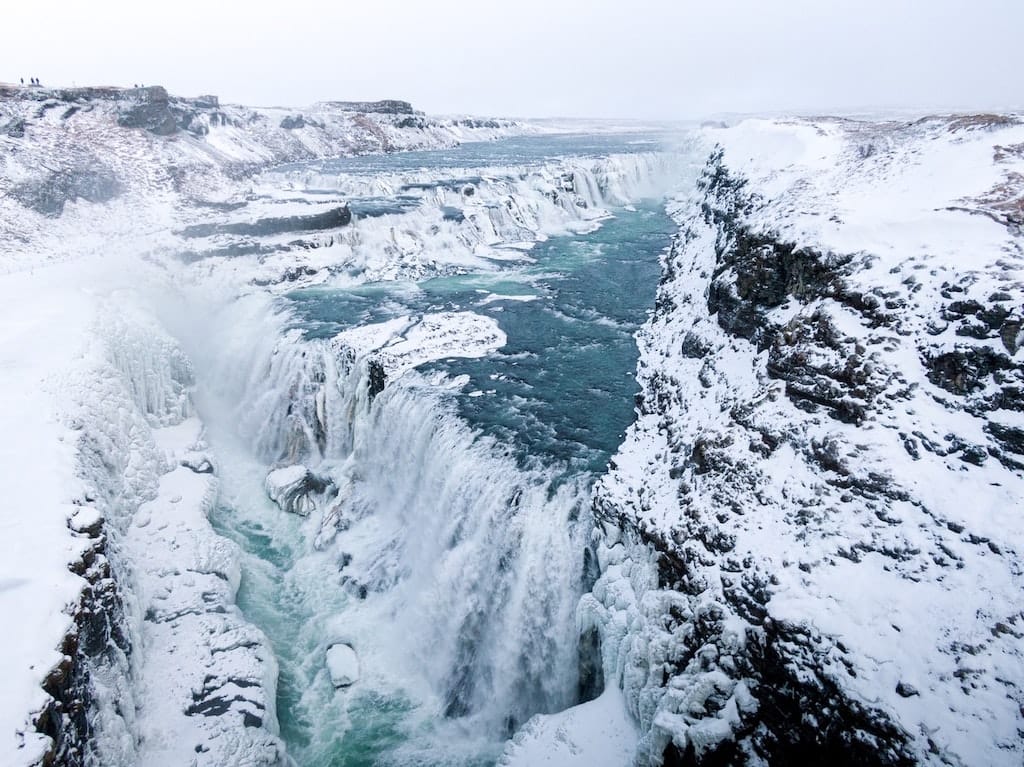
[[15, 128], [152, 112], [265, 227], [49, 194], [736, 524], [376, 378]]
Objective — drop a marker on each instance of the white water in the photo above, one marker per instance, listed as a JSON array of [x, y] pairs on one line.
[[453, 572]]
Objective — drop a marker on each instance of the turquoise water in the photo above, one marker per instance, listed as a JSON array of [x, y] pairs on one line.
[[562, 389], [550, 407]]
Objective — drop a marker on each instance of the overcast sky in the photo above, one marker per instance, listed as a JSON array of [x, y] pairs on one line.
[[596, 58]]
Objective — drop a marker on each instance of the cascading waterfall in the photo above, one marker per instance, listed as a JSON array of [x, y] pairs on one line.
[[450, 563], [452, 571]]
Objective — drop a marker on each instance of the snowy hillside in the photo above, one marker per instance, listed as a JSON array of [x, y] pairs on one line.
[[110, 162], [811, 539]]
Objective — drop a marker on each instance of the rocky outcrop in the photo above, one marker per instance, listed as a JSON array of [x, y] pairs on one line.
[[295, 489], [152, 111], [49, 193], [98, 632], [387, 106], [264, 227]]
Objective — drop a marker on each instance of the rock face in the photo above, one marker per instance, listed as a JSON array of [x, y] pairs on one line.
[[50, 193], [98, 634], [807, 549], [264, 227]]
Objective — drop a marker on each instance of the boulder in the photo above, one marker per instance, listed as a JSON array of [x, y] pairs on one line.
[[343, 665], [292, 123], [87, 520], [293, 487]]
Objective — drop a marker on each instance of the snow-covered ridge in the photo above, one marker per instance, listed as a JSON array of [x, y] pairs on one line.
[[810, 544], [189, 681]]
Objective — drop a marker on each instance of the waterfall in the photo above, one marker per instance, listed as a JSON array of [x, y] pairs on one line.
[[452, 570], [450, 563]]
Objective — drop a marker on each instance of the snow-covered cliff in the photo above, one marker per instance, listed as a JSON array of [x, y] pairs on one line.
[[811, 541]]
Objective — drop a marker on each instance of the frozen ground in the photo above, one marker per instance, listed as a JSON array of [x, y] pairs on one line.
[[815, 513]]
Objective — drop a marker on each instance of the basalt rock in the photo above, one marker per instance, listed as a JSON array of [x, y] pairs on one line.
[[49, 194], [98, 630], [264, 227], [387, 106]]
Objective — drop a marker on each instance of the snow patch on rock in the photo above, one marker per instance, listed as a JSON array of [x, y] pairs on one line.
[[343, 665]]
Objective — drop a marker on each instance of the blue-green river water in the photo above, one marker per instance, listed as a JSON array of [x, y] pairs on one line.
[[550, 408]]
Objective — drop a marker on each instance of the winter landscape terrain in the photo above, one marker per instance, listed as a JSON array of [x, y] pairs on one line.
[[350, 435]]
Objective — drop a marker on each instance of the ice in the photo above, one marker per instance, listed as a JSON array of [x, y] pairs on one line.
[[600, 733], [407, 342], [892, 586]]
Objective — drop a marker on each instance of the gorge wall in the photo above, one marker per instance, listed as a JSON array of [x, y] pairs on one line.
[[810, 541]]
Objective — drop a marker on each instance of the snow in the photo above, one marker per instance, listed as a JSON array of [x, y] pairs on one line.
[[102, 431], [904, 585], [599, 733], [102, 437], [404, 343], [37, 590], [343, 665]]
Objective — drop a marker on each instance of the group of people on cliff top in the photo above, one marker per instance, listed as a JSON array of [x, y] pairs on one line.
[[31, 81]]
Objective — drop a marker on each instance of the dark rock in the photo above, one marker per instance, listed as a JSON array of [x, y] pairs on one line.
[[966, 368], [412, 122], [591, 669], [376, 378], [1010, 438], [1010, 333], [265, 227], [906, 691], [15, 128], [975, 454], [98, 632], [293, 123], [49, 195], [152, 112]]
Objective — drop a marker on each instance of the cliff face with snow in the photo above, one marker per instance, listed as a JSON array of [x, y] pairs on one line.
[[811, 538], [809, 543]]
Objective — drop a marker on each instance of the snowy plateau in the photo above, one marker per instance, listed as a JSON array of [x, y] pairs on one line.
[[808, 548]]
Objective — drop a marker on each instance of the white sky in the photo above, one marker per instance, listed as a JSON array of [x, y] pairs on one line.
[[595, 58]]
